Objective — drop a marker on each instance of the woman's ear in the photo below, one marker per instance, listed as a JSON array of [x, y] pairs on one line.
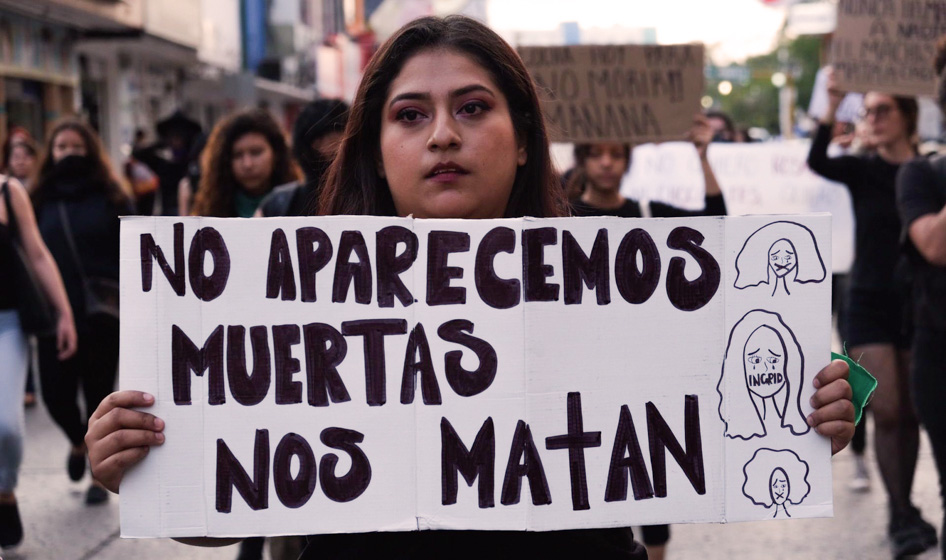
[[522, 155]]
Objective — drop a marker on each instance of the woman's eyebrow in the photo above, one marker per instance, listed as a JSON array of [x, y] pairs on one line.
[[471, 88], [410, 95]]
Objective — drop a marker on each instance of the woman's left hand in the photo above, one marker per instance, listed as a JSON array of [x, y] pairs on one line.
[[701, 134], [66, 338], [834, 412]]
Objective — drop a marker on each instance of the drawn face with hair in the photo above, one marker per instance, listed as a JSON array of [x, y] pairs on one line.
[[782, 258], [764, 357], [778, 486]]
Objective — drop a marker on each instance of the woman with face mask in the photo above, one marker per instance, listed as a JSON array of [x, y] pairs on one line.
[[445, 124], [78, 199], [877, 324]]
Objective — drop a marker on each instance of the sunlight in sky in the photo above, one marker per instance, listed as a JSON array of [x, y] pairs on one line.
[[731, 29]]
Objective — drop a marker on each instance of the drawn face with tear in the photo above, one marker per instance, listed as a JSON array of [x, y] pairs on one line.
[[782, 258], [778, 486], [764, 357]]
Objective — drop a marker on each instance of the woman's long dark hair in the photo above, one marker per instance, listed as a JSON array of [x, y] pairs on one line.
[[102, 173], [214, 195], [353, 185]]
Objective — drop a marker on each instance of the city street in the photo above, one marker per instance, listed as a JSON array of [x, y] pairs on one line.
[[59, 526]]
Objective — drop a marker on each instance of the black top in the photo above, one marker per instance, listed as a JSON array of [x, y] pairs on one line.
[[291, 199], [617, 544], [715, 206], [93, 219], [871, 181], [921, 190], [7, 298]]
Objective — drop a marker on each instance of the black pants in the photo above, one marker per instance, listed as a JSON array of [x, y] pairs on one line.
[[93, 366], [929, 390]]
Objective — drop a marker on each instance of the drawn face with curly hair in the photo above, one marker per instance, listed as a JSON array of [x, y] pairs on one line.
[[764, 356], [779, 486]]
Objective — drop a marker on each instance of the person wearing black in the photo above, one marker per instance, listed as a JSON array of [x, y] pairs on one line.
[[594, 187], [316, 136], [168, 159], [78, 200], [877, 322], [921, 199]]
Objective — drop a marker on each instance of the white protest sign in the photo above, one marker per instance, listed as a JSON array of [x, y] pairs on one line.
[[352, 374], [756, 178]]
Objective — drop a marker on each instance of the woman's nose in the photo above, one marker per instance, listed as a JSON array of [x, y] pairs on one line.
[[443, 134]]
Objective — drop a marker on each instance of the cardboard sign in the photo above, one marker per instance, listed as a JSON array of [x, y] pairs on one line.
[[887, 45], [352, 374], [617, 93], [756, 178]]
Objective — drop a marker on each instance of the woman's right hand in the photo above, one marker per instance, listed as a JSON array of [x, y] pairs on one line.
[[66, 338], [120, 437]]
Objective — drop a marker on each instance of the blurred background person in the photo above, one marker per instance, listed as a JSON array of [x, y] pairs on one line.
[[245, 158], [877, 322], [168, 159], [316, 135], [78, 199], [18, 224]]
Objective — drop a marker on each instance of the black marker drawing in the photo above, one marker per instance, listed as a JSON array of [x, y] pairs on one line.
[[777, 254], [765, 362], [775, 478]]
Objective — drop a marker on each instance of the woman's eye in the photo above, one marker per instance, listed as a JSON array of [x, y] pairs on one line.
[[408, 115], [473, 108], [773, 361], [755, 360]]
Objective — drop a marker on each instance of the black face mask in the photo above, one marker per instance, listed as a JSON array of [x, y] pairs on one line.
[[75, 168]]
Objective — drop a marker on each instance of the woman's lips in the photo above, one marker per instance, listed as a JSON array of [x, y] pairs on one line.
[[446, 173]]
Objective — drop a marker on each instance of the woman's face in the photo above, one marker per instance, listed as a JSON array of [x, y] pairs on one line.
[[252, 163], [778, 486], [605, 165], [448, 146], [68, 142], [21, 162], [885, 123], [764, 362]]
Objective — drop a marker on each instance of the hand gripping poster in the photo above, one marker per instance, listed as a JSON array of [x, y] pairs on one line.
[[353, 374]]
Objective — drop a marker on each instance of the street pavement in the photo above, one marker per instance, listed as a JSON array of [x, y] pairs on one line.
[[59, 526]]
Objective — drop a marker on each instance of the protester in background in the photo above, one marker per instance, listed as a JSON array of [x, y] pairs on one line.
[[445, 124], [921, 198], [185, 189], [78, 199], [19, 162], [316, 136], [724, 130], [877, 322], [594, 189], [246, 156], [13, 344], [168, 159]]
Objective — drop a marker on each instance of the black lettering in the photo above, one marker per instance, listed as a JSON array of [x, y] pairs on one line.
[[417, 360], [185, 357], [683, 294], [208, 240], [464, 382], [524, 460], [496, 292], [477, 462], [439, 246], [355, 482], [248, 389], [391, 265], [578, 268], [637, 284], [346, 271], [625, 441], [576, 440], [280, 278], [374, 331], [534, 269], [150, 250], [311, 261], [325, 348], [662, 439], [231, 474], [287, 390], [294, 492]]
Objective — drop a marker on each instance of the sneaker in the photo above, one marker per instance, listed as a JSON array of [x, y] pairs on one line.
[[76, 466], [861, 480], [96, 495], [11, 527], [906, 537]]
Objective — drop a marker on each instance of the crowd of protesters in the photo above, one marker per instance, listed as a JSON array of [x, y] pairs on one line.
[[61, 205]]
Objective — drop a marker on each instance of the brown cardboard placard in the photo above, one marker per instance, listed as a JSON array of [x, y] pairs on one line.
[[887, 45], [617, 93]]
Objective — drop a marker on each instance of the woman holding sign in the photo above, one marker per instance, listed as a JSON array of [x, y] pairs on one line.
[[877, 322], [446, 124]]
